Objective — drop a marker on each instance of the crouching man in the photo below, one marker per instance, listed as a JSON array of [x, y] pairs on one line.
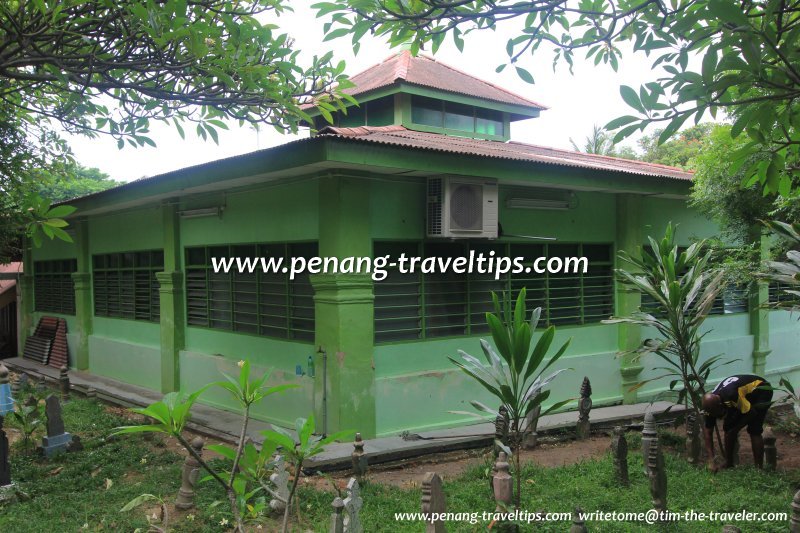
[[743, 401]]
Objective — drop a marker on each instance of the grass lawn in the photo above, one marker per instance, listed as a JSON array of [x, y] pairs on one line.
[[86, 490]]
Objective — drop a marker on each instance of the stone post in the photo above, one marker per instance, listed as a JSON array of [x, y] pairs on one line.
[[619, 454], [503, 484], [649, 435], [693, 438], [433, 502], [189, 476], [795, 521], [501, 425], [583, 428], [531, 438], [63, 383], [770, 453], [358, 458], [337, 516], [578, 524], [657, 476]]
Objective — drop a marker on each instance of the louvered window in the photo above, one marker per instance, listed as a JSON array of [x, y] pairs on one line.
[[125, 285], [442, 304], [53, 288], [257, 302]]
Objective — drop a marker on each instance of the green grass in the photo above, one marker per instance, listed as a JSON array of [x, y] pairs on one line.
[[66, 499]]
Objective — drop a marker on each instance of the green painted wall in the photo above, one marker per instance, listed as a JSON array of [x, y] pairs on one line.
[[657, 212]]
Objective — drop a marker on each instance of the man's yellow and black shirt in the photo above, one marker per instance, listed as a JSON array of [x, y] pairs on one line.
[[745, 396]]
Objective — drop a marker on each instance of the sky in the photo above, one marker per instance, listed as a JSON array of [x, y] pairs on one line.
[[576, 101]]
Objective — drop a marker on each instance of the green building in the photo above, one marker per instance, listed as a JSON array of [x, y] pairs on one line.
[[425, 167]]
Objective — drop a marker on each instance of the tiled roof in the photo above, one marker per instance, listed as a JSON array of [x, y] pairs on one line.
[[8, 284], [427, 72], [400, 136]]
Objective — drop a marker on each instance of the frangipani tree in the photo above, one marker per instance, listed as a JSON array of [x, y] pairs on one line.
[[515, 373], [683, 286]]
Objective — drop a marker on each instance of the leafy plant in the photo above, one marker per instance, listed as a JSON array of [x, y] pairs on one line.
[[171, 414], [683, 286], [786, 272], [29, 419], [299, 449], [151, 521], [515, 373]]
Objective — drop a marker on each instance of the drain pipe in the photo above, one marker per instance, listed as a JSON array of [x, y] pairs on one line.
[[324, 391]]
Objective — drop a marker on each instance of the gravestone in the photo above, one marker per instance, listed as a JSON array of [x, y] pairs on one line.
[[693, 441], [794, 524], [23, 382], [584, 406], [502, 483], [5, 457], [6, 399], [358, 458], [531, 438], [352, 507], [337, 517], [189, 476], [657, 475], [280, 481], [649, 435], [770, 452], [57, 438], [433, 501], [501, 425], [41, 386], [619, 454], [578, 525], [63, 383]]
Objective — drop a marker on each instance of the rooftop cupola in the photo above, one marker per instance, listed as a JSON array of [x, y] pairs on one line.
[[422, 94]]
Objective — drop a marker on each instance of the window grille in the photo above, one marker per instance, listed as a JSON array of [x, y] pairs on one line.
[[125, 285], [53, 288], [417, 306], [259, 303]]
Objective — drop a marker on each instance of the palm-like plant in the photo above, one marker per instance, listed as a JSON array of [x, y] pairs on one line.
[[786, 272], [515, 373], [683, 286]]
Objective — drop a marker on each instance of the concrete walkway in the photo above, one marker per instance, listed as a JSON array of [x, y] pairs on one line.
[[225, 425]]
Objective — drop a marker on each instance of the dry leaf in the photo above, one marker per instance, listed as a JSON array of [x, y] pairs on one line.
[[96, 471], [109, 483], [55, 471]]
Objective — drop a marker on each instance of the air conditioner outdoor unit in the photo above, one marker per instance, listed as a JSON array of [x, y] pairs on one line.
[[462, 207]]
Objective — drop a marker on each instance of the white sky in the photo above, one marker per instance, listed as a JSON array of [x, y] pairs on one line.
[[576, 102]]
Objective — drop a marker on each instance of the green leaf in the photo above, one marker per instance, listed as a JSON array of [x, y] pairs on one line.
[[631, 98], [524, 75], [137, 501]]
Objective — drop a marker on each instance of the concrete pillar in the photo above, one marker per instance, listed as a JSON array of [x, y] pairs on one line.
[[25, 297], [344, 309], [171, 300], [758, 297], [629, 239], [82, 280]]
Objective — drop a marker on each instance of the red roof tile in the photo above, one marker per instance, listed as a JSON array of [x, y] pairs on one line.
[[400, 136], [427, 72], [8, 284]]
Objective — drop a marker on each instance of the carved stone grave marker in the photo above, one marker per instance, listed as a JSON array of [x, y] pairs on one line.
[[358, 458], [337, 518], [619, 454], [649, 435], [693, 441], [578, 525], [531, 438], [352, 507], [57, 438], [657, 475], [63, 383], [502, 483], [433, 502], [189, 476], [584, 426], [770, 452], [280, 481], [501, 424]]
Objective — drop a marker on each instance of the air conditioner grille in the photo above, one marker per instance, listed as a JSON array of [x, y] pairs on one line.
[[466, 207], [435, 206]]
